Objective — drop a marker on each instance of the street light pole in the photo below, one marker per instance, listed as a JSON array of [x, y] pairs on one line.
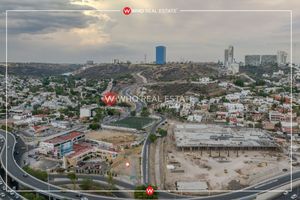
[[48, 185]]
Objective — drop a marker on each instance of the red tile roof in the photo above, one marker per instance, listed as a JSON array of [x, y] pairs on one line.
[[79, 149], [64, 138]]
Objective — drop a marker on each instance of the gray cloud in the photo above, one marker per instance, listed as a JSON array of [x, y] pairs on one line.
[[193, 36]]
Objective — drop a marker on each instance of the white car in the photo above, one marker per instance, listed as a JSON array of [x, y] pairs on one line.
[[12, 193], [294, 196]]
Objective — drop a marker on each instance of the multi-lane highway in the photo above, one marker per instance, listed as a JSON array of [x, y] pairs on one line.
[[13, 170], [145, 151], [31, 182], [118, 183]]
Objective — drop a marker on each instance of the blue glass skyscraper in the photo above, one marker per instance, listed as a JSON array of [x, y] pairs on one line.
[[160, 55]]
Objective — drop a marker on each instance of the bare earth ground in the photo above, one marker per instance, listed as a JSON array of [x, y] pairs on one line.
[[112, 136], [225, 172], [132, 173], [132, 156], [152, 171]]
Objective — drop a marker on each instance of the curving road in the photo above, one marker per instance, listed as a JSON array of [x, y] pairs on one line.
[[118, 183], [17, 173], [145, 152], [31, 182]]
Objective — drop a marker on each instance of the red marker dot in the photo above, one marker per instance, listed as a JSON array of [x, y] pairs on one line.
[[127, 10], [149, 190]]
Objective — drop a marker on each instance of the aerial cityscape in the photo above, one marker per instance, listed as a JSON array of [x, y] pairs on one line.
[[111, 103]]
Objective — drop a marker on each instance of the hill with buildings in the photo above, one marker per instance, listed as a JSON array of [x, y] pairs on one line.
[[38, 69]]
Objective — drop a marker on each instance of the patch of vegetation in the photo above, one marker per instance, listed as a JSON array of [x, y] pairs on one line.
[[152, 138], [39, 174], [94, 126], [140, 192], [33, 196], [145, 112], [73, 178], [39, 69], [162, 132], [239, 82], [9, 129]]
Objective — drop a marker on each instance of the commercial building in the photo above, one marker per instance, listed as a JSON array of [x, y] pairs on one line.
[[281, 57], [87, 111], [268, 59], [275, 116], [252, 60], [61, 145], [257, 60], [87, 150], [225, 57], [90, 62], [215, 137], [229, 56], [233, 68], [161, 55]]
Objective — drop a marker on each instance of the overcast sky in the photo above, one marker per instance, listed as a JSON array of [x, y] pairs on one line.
[[75, 37]]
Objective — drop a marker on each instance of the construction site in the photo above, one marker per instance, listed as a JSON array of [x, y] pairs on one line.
[[199, 158], [214, 137], [127, 143]]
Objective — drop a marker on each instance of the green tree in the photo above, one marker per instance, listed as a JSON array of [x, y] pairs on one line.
[[259, 125], [94, 126], [110, 180], [152, 137], [73, 178], [278, 125], [87, 184], [59, 90], [162, 132], [42, 175], [239, 82], [260, 83], [133, 113], [145, 112], [224, 99], [213, 108], [33, 196]]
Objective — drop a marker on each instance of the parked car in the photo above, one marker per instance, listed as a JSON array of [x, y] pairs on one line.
[[294, 196]]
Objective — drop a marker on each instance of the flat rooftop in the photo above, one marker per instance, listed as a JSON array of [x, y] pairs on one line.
[[195, 185], [202, 135]]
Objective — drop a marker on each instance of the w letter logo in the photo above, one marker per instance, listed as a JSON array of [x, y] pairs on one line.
[[149, 190], [110, 98], [126, 11]]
